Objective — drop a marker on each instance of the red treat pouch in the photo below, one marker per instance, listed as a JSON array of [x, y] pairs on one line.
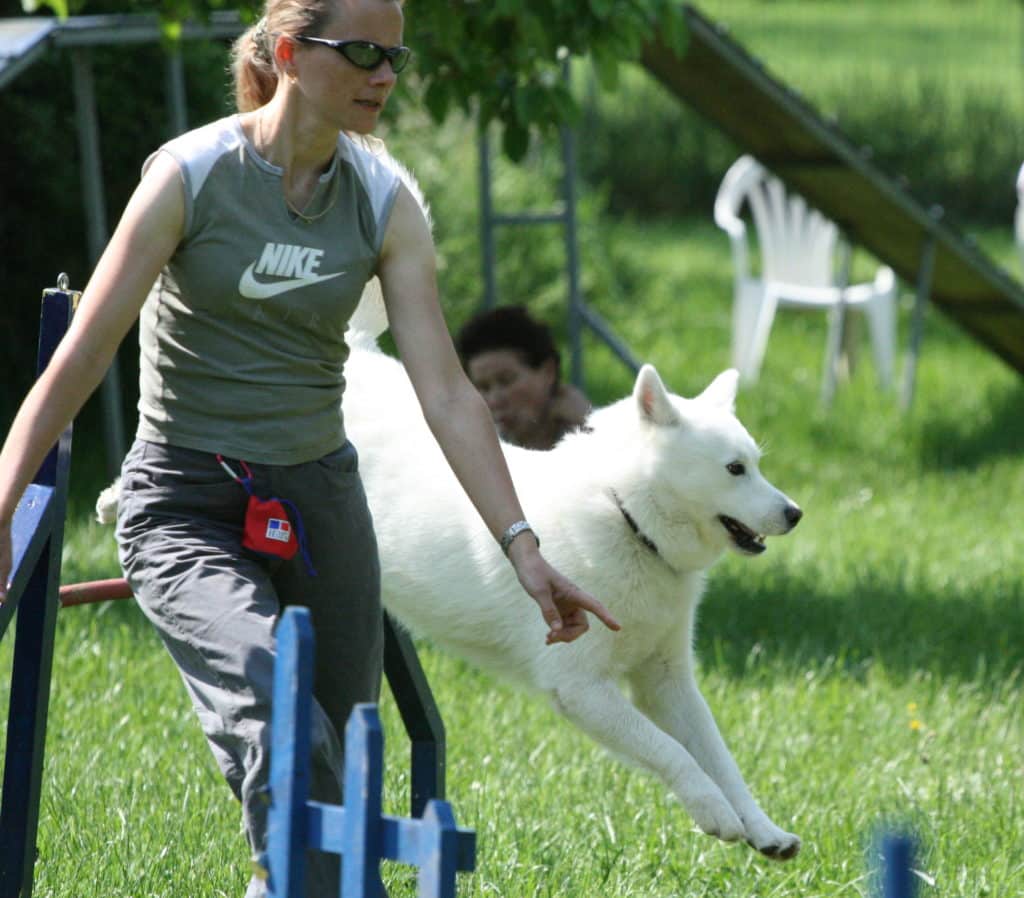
[[272, 526], [268, 529]]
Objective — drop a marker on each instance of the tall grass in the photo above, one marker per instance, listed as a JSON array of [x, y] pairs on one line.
[[866, 670]]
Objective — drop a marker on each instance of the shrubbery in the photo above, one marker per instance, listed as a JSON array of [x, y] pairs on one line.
[[956, 146]]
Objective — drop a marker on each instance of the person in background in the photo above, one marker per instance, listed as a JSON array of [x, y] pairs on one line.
[[511, 358], [246, 247]]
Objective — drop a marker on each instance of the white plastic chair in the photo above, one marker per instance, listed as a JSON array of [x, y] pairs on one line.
[[801, 266]]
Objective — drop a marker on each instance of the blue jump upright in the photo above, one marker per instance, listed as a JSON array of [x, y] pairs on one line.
[[357, 830], [37, 538], [897, 870]]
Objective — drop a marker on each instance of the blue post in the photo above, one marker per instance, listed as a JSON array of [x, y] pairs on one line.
[[438, 851], [897, 863], [357, 830], [37, 540], [364, 785], [290, 739]]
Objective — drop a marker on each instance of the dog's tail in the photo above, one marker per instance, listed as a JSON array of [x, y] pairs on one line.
[[370, 319], [106, 504]]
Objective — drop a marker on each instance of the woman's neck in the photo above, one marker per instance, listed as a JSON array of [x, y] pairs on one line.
[[297, 143], [301, 147]]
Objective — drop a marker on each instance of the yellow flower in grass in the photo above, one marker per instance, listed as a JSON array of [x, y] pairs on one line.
[[915, 723]]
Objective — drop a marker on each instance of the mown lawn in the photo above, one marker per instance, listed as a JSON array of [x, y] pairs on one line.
[[866, 670]]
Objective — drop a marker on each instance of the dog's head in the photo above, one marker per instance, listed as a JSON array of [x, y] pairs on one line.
[[702, 468]]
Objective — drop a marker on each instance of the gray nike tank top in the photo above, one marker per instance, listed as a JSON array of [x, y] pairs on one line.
[[242, 337]]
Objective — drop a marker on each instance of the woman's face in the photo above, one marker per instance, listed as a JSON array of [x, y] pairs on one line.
[[348, 97], [517, 395]]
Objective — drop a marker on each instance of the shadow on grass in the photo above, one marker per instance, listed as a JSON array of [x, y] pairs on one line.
[[958, 442], [802, 623]]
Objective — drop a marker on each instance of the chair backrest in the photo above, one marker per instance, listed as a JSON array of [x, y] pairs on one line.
[[797, 243]]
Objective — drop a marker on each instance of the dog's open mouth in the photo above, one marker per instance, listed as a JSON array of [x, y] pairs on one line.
[[742, 536]]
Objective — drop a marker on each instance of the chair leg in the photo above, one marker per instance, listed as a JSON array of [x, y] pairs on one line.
[[881, 315], [833, 348], [746, 301], [764, 316]]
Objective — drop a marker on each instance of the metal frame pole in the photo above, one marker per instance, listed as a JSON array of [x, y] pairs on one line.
[[924, 286], [176, 99], [490, 299], [96, 225]]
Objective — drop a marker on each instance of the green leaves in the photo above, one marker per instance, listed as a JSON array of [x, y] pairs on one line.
[[502, 59], [60, 7], [505, 59]]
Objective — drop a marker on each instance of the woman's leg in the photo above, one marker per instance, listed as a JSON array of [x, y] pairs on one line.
[[344, 596], [215, 607]]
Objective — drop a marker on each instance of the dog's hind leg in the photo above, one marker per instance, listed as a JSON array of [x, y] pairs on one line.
[[666, 691], [599, 708]]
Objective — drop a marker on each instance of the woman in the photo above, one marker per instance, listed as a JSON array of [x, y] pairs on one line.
[[256, 234], [512, 360]]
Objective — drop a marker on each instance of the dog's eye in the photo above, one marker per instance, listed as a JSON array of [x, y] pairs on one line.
[[736, 468]]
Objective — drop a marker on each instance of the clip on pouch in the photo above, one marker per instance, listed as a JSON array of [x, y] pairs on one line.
[[268, 526]]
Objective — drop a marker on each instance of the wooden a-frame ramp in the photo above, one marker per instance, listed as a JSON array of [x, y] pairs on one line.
[[730, 88]]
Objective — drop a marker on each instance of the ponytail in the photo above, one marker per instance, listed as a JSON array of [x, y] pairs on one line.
[[252, 65]]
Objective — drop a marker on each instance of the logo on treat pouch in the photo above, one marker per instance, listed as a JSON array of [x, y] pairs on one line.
[[278, 530]]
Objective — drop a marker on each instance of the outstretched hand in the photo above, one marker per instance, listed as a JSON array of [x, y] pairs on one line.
[[562, 603]]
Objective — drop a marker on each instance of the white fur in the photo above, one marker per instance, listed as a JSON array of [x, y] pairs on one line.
[[665, 459], [661, 458]]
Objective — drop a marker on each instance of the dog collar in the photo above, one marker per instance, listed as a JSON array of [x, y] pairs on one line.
[[640, 535]]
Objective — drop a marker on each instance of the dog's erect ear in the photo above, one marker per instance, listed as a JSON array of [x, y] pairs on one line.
[[652, 398], [722, 390]]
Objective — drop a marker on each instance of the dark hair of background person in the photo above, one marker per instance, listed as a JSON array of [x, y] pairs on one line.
[[508, 327]]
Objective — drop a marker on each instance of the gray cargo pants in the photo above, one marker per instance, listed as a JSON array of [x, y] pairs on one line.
[[216, 605]]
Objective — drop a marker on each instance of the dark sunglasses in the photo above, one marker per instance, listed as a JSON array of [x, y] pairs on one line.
[[364, 54]]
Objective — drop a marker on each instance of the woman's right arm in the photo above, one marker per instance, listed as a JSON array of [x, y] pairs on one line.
[[146, 237]]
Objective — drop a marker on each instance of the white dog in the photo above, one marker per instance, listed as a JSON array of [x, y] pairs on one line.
[[634, 510]]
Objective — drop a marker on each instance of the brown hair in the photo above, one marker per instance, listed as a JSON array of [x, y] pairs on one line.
[[252, 55]]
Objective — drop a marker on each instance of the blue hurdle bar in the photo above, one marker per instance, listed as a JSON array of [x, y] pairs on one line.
[[37, 537], [357, 830]]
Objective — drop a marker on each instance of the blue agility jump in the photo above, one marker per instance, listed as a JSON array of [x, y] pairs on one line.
[[357, 830]]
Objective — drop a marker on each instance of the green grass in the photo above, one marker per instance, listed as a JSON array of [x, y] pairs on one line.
[[866, 670], [904, 40]]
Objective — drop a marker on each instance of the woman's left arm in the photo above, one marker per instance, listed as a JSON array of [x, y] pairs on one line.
[[459, 418]]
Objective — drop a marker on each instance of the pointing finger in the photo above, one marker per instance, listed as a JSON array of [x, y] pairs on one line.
[[584, 600]]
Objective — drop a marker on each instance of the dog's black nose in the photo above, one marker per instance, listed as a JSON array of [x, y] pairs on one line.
[[793, 515]]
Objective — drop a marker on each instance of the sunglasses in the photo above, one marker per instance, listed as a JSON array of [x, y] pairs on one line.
[[364, 54]]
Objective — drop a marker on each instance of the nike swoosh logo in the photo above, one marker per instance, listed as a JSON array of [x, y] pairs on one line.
[[251, 288]]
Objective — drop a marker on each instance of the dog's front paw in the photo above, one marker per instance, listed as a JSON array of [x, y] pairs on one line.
[[771, 840], [715, 816]]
